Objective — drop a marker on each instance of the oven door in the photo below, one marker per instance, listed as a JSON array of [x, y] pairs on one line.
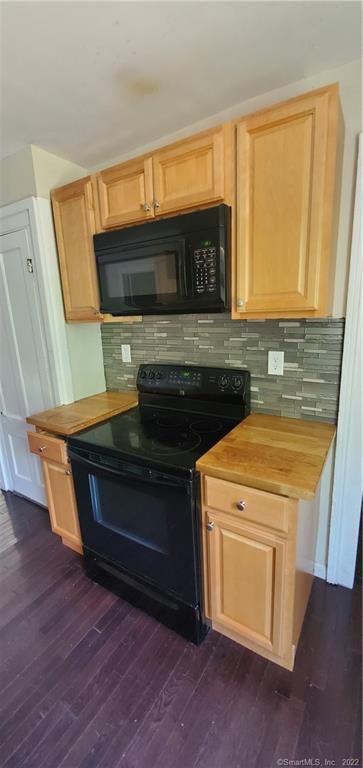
[[141, 520], [149, 277]]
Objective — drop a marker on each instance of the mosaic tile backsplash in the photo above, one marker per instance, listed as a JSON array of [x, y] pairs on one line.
[[308, 389]]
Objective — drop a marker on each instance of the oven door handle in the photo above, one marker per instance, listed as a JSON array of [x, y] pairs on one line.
[[155, 476]]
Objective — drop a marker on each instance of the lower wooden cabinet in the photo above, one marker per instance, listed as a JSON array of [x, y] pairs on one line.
[[246, 581], [258, 564], [59, 486], [62, 504]]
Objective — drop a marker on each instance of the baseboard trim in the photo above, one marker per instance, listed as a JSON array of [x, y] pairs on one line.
[[320, 571]]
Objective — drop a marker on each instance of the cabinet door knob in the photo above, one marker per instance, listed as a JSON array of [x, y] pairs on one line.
[[241, 505], [210, 526], [42, 448], [146, 207], [96, 311], [68, 472], [156, 204], [240, 303]]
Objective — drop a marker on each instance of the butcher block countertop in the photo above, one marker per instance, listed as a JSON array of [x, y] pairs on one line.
[[272, 453], [68, 419]]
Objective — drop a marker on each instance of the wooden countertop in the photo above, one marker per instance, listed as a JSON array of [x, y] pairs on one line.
[[68, 419], [272, 453]]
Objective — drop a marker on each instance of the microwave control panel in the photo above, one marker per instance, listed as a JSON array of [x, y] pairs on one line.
[[205, 269]]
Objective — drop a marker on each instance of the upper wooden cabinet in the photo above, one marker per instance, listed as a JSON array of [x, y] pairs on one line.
[[185, 175], [279, 169], [126, 193], [192, 172], [75, 214], [287, 183]]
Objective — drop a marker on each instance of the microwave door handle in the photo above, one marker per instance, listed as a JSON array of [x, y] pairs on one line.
[[117, 472], [183, 268]]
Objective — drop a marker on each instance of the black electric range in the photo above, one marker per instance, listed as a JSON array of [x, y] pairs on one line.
[[138, 491]]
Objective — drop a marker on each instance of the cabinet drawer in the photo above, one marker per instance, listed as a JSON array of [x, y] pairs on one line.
[[266, 509], [48, 447]]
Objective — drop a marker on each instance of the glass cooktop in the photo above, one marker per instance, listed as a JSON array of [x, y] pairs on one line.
[[156, 437]]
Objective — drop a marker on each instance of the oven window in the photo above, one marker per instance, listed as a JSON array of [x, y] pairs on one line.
[[150, 277], [137, 514]]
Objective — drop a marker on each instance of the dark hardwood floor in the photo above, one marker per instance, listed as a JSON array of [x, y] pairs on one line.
[[88, 680]]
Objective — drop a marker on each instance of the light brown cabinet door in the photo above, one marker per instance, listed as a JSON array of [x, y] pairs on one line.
[[246, 582], [191, 172], [126, 193], [62, 503], [75, 224], [286, 176]]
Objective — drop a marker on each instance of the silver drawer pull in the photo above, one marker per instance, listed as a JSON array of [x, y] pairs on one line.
[[42, 448], [241, 505], [210, 526]]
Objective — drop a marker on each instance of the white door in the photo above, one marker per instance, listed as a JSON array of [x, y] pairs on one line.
[[24, 373]]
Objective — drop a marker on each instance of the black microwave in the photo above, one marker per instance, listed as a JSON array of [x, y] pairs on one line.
[[174, 265]]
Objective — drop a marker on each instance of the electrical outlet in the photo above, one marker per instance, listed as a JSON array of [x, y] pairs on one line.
[[276, 363], [126, 353]]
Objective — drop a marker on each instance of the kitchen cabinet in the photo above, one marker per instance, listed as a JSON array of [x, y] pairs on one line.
[[47, 444], [279, 169], [76, 220], [246, 581], [258, 561], [126, 193], [62, 504], [288, 172], [59, 487], [191, 173], [75, 211]]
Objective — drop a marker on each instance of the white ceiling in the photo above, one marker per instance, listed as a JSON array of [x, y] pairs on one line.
[[91, 80]]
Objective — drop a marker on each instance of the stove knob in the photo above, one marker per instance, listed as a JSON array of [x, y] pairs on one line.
[[143, 375], [151, 375], [158, 375], [236, 382], [223, 381]]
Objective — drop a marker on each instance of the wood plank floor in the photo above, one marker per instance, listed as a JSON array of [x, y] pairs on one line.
[[88, 680]]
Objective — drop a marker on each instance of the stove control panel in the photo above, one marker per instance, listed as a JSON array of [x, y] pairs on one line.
[[194, 381]]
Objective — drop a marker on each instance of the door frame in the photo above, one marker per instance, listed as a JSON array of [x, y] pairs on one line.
[[34, 215], [348, 473]]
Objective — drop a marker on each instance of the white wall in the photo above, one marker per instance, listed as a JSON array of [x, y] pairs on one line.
[[86, 359], [51, 171], [33, 172], [349, 79], [17, 177], [348, 480]]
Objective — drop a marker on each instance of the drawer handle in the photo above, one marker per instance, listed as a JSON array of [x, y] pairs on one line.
[[42, 448], [241, 505], [210, 526]]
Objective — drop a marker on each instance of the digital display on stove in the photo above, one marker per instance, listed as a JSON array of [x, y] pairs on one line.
[[190, 377]]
